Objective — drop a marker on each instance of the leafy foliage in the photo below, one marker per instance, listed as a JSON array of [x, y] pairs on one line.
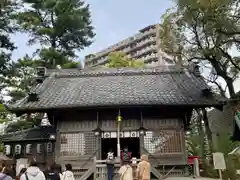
[[7, 12], [120, 59], [20, 125], [64, 26], [50, 58], [61, 27], [206, 31], [198, 144], [3, 114]]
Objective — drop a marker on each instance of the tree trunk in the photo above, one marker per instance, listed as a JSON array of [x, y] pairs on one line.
[[201, 133], [207, 129], [230, 86]]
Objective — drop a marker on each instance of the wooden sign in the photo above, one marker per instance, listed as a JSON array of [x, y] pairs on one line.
[[219, 161]]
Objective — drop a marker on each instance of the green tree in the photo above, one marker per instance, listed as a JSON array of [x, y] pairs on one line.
[[120, 59], [3, 114], [50, 58], [61, 27], [20, 125], [7, 27], [206, 30]]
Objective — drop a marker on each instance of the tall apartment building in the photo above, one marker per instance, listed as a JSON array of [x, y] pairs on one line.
[[143, 45]]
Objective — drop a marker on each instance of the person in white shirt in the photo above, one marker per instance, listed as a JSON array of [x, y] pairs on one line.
[[33, 172], [110, 164], [68, 174]]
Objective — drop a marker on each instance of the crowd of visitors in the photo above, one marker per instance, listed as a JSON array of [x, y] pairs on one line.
[[126, 171], [33, 172], [54, 171]]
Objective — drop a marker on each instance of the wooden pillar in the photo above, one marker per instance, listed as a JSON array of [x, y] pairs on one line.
[[57, 146], [141, 136], [141, 139], [99, 147], [99, 139]]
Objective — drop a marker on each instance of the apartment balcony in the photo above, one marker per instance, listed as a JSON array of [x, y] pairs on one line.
[[145, 51], [152, 64], [121, 45], [142, 44], [150, 58]]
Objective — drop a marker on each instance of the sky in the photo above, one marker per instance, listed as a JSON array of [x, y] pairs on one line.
[[114, 20]]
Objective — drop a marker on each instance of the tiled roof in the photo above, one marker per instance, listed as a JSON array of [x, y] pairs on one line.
[[33, 134], [118, 87]]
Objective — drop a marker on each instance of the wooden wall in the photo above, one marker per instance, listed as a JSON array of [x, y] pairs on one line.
[[164, 138]]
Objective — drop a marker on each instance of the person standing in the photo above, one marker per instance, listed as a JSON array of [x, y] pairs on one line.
[[110, 164], [5, 174], [52, 174], [45, 168], [143, 168], [33, 172], [22, 171], [126, 172], [59, 171], [125, 155], [68, 174]]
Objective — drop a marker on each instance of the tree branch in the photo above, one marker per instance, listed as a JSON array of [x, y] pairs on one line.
[[222, 91], [227, 55]]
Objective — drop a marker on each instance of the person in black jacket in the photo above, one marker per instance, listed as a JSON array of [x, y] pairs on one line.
[[52, 174], [45, 168]]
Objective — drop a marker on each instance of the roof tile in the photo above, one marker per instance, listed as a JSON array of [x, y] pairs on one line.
[[118, 87], [37, 133]]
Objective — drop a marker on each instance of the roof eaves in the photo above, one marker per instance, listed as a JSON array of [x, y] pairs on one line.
[[25, 139], [41, 109]]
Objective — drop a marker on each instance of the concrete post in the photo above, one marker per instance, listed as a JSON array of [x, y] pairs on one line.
[[196, 171]]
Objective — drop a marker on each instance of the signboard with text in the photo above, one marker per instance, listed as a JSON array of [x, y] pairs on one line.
[[219, 161]]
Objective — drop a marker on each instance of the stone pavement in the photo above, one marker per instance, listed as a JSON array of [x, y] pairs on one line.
[[188, 178]]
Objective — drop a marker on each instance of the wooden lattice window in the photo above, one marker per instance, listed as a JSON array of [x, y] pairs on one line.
[[164, 141], [63, 139], [74, 144]]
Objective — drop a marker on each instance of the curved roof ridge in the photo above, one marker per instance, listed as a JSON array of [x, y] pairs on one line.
[[121, 72]]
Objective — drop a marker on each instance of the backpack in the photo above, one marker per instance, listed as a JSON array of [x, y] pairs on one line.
[[52, 176], [110, 158]]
